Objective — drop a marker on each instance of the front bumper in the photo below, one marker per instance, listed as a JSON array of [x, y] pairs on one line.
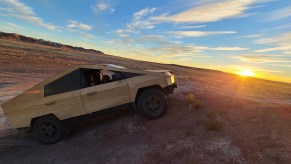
[[170, 88]]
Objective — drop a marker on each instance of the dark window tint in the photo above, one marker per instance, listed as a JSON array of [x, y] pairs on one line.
[[94, 77], [130, 74], [66, 83], [90, 77]]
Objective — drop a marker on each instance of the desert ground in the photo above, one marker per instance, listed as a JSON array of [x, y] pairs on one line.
[[237, 119]]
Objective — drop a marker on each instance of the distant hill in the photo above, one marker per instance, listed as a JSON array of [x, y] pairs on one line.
[[26, 39]]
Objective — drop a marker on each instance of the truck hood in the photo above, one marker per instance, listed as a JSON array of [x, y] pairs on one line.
[[159, 70]]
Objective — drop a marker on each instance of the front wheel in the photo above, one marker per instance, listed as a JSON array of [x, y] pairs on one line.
[[152, 103], [49, 130]]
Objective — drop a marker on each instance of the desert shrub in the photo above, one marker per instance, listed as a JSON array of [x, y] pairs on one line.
[[198, 104], [190, 98], [132, 127], [193, 102], [213, 124]]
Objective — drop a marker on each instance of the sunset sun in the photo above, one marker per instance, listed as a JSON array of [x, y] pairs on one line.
[[246, 72]]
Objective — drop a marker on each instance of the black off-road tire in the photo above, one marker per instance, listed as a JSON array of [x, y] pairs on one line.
[[152, 103], [49, 129]]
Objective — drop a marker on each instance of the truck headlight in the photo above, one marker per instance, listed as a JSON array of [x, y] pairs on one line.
[[171, 80]]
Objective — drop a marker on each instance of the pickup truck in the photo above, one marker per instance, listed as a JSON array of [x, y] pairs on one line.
[[87, 89]]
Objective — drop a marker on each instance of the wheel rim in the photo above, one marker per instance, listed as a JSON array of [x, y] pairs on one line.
[[49, 129], [152, 103]]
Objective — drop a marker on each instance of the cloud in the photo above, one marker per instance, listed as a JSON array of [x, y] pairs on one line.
[[13, 25], [163, 41], [281, 27], [120, 33], [86, 36], [139, 25], [138, 15], [161, 46], [139, 22], [78, 25], [262, 58], [154, 39], [282, 39], [281, 65], [287, 52], [189, 27], [103, 6], [279, 48], [16, 6], [6, 9], [175, 49], [198, 33], [250, 36], [122, 40], [10, 27], [22, 11], [223, 48], [280, 14], [280, 43], [210, 12]]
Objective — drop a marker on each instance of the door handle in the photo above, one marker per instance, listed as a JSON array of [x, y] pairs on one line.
[[50, 103], [92, 93]]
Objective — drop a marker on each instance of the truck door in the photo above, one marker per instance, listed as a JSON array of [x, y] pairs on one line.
[[103, 89], [62, 96]]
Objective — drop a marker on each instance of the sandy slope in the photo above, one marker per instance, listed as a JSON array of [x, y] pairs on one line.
[[255, 116]]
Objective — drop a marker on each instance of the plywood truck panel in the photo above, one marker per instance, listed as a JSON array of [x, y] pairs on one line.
[[105, 96], [65, 106]]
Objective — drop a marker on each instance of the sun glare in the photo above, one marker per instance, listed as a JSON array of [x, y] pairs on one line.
[[246, 72]]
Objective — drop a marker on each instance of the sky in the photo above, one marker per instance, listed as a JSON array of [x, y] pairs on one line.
[[226, 35]]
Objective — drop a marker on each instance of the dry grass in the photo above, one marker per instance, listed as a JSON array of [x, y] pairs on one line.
[[133, 127], [198, 104], [193, 102]]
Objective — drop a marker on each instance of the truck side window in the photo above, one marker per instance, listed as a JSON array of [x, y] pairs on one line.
[[93, 77], [66, 83]]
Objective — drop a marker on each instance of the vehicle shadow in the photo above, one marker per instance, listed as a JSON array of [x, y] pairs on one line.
[[84, 124], [79, 129]]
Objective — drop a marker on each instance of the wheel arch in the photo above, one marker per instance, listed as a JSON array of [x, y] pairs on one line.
[[141, 90], [35, 118]]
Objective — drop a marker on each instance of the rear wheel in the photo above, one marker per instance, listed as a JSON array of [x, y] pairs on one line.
[[49, 130], [152, 103]]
